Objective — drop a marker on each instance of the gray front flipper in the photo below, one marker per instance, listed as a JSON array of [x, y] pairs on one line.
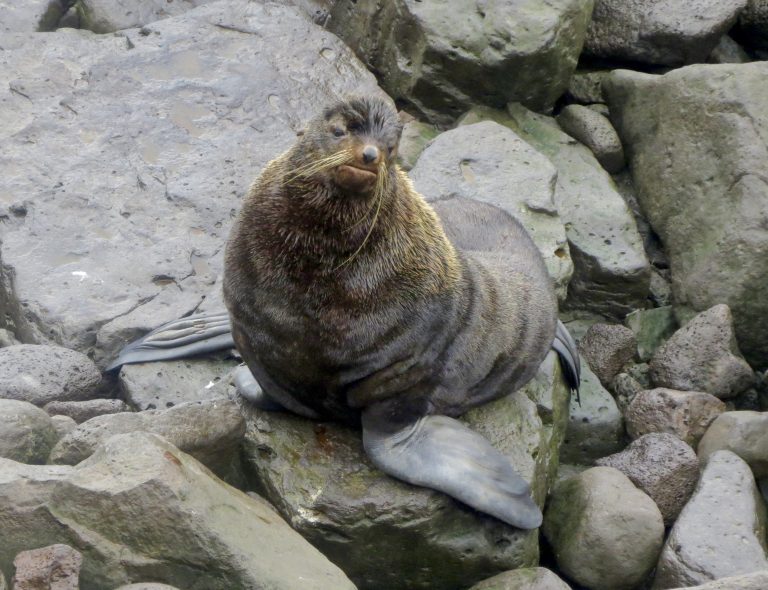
[[441, 453]]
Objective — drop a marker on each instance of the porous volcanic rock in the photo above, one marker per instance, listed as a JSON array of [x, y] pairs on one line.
[[40, 374], [56, 567], [442, 58], [659, 31], [607, 348], [720, 532], [319, 479], [601, 510], [164, 129], [703, 356], [27, 434], [704, 126]]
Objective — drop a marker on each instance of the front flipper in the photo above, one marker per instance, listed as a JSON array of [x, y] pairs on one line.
[[247, 387], [441, 453]]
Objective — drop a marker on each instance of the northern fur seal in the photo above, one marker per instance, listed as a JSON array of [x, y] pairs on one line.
[[348, 301]]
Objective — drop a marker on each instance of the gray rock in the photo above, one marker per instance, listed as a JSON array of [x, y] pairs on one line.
[[147, 586], [319, 479], [105, 16], [755, 581], [659, 31], [686, 414], [595, 428], [56, 567], [26, 16], [141, 509], [752, 27], [445, 57], [7, 338], [26, 432], [534, 578], [168, 125], [596, 132], [63, 425], [162, 385], [210, 431], [85, 410], [744, 433], [720, 532], [611, 271], [662, 466], [415, 137], [716, 118], [622, 528], [586, 86], [481, 162], [41, 374], [703, 356], [607, 348], [727, 51], [640, 373], [652, 327], [625, 387]]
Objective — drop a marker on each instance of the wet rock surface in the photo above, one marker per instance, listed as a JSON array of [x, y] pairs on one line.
[[720, 532], [703, 356], [662, 466], [686, 414], [41, 374], [320, 481], [622, 527], [715, 236]]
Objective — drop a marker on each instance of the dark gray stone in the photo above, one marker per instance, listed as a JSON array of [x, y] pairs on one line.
[[85, 410], [166, 125], [716, 117], [596, 132], [662, 466], [752, 29], [607, 348], [27, 434], [659, 31], [703, 356], [40, 374], [720, 532], [443, 58], [606, 534]]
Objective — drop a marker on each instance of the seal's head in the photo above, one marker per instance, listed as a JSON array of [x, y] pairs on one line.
[[353, 142]]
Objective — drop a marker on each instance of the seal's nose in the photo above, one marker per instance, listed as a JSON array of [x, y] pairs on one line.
[[370, 153]]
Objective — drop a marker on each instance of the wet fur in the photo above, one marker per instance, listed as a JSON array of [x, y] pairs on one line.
[[334, 308]]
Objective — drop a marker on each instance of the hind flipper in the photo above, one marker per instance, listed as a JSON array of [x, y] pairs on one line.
[[193, 335], [566, 348], [441, 453]]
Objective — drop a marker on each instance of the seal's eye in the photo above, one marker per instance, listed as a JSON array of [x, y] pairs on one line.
[[338, 132]]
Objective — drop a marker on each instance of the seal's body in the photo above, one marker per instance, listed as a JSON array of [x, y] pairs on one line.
[[348, 301]]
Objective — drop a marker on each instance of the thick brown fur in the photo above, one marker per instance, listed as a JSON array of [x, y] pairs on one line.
[[344, 292]]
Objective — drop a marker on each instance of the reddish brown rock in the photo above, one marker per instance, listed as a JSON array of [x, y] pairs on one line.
[[56, 567]]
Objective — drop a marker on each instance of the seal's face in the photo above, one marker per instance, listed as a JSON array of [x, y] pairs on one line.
[[368, 131]]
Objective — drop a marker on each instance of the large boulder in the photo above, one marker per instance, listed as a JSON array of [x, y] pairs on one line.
[[480, 162], [659, 31], [319, 479], [697, 140], [720, 532], [611, 272], [141, 509], [164, 129], [443, 57], [606, 534]]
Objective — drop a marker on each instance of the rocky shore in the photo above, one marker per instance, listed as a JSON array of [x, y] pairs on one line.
[[630, 139]]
